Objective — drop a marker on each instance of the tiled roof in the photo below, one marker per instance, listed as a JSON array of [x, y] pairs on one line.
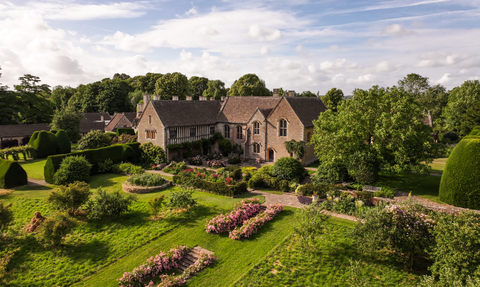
[[266, 112], [93, 126], [241, 109], [8, 131], [187, 113], [92, 117], [117, 117], [91, 122], [307, 109]]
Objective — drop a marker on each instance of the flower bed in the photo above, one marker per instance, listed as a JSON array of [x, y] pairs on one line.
[[226, 222], [252, 225], [162, 262], [127, 187], [216, 163]]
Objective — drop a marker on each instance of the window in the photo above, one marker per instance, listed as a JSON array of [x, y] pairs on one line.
[[239, 132], [149, 119], [150, 134], [193, 132], [283, 128], [256, 148], [212, 130], [309, 137], [227, 131], [173, 134], [256, 128]]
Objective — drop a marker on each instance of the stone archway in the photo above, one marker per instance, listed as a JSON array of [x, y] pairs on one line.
[[270, 155]]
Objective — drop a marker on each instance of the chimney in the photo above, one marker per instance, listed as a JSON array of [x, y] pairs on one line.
[[102, 119], [156, 97], [275, 92], [202, 98], [291, 93], [189, 98], [318, 94], [223, 98], [146, 99], [174, 98], [228, 94]]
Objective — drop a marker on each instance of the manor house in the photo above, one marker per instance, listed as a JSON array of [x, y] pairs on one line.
[[260, 125]]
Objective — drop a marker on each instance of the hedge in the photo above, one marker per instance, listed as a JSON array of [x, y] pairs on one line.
[[475, 131], [259, 180], [12, 174], [219, 188], [45, 143], [63, 142], [116, 153], [128, 131], [459, 185]]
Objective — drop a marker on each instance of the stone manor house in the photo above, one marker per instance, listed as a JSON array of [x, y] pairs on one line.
[[260, 125]]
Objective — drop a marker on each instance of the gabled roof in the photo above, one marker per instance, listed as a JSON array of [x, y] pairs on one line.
[[92, 122], [306, 108], [187, 113], [93, 117], [117, 117], [11, 131], [240, 109]]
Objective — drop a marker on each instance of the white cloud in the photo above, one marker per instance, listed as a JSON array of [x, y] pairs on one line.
[[265, 51], [396, 30], [444, 79], [127, 42]]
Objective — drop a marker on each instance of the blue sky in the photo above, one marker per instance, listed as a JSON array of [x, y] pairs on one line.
[[297, 45]]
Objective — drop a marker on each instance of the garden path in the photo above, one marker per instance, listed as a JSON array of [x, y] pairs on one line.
[[36, 182]]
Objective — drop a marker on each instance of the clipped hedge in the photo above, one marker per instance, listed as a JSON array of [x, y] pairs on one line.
[[45, 143], [459, 185], [475, 131], [219, 188], [12, 174], [116, 153], [261, 180], [128, 131], [63, 142]]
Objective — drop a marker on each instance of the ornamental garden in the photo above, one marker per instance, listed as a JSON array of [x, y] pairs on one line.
[[112, 212]]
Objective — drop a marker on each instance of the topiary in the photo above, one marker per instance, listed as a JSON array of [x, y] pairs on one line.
[[12, 174], [459, 184], [72, 168], [63, 142], [45, 143], [93, 140], [288, 168]]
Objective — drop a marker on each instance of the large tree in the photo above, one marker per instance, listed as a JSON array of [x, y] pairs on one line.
[[306, 94], [35, 108], [9, 106], [172, 84], [60, 96], [459, 101], [215, 89], [68, 120], [145, 84], [378, 128], [198, 85], [249, 85], [414, 84], [333, 98]]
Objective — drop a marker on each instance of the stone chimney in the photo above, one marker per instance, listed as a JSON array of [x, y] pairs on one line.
[[228, 94], [291, 93], [146, 99], [202, 98], [174, 98], [156, 98], [189, 98], [223, 98], [102, 119], [275, 92]]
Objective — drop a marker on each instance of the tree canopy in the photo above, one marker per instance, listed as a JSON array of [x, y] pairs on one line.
[[459, 101], [249, 85], [172, 84], [215, 89], [69, 121], [414, 84], [333, 98], [378, 128], [198, 85]]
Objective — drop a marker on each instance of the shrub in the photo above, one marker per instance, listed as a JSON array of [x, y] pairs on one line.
[[216, 163], [116, 153], [109, 205], [128, 131], [234, 159], [219, 188], [196, 160], [309, 189], [156, 204], [123, 139], [146, 179], [330, 173], [260, 180], [150, 153], [310, 223], [6, 216], [266, 169], [72, 168], [233, 171], [256, 181], [127, 168], [182, 199], [341, 203], [105, 166], [252, 225], [45, 143], [55, 228], [93, 140], [225, 146], [288, 168], [363, 167], [70, 198], [63, 142], [386, 192], [459, 184], [215, 155], [355, 186], [12, 174]]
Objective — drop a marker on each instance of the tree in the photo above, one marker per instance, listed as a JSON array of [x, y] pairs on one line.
[[146, 84], [69, 121], [414, 84], [60, 96], [249, 85], [459, 101], [172, 84], [307, 94], [29, 84], [34, 107], [333, 98], [198, 85], [434, 99], [381, 125], [215, 89], [471, 118], [121, 76]]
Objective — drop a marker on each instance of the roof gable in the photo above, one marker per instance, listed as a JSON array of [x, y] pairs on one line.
[[241, 109], [307, 109]]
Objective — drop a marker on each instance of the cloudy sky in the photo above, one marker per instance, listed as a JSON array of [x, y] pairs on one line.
[[299, 45]]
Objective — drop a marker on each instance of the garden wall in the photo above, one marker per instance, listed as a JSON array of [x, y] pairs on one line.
[[12, 174], [117, 153]]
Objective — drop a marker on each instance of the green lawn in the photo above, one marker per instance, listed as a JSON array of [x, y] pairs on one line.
[[438, 165], [34, 168], [270, 190], [314, 165], [422, 185], [335, 262]]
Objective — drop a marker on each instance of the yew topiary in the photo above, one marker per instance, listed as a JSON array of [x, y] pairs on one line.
[[288, 168], [45, 143], [63, 142], [12, 174], [459, 184]]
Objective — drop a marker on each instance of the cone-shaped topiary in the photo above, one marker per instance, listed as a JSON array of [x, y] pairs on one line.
[[12, 174], [459, 185], [63, 142]]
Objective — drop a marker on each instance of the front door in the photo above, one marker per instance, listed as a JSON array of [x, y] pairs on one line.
[[271, 155]]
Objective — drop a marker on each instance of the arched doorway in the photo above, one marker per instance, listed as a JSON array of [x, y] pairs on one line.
[[271, 155]]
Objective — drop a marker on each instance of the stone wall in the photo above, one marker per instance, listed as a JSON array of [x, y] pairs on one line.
[[155, 125]]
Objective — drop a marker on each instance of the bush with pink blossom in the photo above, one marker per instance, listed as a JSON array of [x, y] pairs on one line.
[[252, 225], [240, 213]]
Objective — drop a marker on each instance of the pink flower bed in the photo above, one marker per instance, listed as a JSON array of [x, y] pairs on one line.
[[154, 266], [241, 212], [252, 225]]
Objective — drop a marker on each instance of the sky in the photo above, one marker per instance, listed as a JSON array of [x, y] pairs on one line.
[[299, 45]]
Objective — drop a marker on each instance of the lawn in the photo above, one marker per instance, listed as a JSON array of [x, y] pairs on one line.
[[34, 168], [422, 185], [335, 262], [314, 165], [438, 165]]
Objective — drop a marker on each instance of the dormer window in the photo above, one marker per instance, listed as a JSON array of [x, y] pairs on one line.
[[283, 128], [256, 128]]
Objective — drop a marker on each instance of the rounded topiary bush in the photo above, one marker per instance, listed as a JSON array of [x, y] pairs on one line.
[[63, 142], [45, 143], [72, 168], [288, 168], [459, 184]]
